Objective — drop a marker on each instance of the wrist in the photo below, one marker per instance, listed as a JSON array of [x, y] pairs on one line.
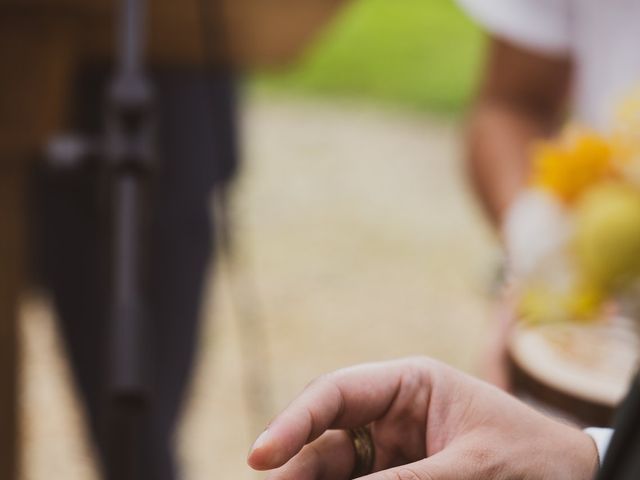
[[565, 452], [584, 453]]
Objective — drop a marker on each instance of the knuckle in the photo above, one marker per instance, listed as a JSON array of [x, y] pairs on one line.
[[319, 385], [324, 404], [317, 381], [323, 382], [420, 372], [422, 366]]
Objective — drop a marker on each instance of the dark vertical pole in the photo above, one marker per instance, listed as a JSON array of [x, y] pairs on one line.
[[132, 36], [129, 143]]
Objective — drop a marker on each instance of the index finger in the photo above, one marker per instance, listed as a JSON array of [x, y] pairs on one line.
[[347, 398]]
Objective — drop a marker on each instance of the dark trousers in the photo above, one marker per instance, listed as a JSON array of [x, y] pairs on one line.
[[197, 154]]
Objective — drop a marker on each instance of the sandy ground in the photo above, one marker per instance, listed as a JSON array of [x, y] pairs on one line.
[[362, 242]]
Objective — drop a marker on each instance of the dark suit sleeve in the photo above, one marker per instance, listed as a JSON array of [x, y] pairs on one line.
[[622, 461]]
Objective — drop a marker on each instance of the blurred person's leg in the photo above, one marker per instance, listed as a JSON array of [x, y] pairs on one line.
[[35, 59], [197, 153]]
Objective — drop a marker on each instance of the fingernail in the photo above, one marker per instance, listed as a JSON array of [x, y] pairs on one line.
[[260, 441]]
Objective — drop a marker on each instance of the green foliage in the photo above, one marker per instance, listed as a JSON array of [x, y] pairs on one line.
[[423, 54]]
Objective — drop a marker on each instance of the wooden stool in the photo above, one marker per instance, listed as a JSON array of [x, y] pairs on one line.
[[577, 371]]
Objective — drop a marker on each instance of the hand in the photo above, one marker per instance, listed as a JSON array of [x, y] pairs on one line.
[[428, 421]]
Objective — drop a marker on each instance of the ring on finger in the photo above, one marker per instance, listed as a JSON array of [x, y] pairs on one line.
[[365, 452]]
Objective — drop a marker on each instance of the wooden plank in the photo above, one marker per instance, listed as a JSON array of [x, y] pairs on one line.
[[246, 33]]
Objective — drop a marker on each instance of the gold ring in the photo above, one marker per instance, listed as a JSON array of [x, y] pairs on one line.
[[365, 452]]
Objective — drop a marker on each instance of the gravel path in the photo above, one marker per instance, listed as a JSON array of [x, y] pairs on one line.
[[362, 242]]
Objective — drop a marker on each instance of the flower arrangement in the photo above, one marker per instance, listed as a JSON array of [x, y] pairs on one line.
[[573, 236]]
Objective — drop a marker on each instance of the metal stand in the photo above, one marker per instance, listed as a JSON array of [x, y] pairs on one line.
[[129, 151]]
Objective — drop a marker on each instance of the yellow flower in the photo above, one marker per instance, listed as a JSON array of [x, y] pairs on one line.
[[540, 304], [586, 303], [607, 236], [568, 167]]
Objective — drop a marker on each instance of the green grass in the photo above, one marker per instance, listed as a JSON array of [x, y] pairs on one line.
[[422, 54]]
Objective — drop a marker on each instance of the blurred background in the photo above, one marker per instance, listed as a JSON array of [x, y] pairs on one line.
[[357, 238]]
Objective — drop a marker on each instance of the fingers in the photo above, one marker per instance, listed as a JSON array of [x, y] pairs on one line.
[[351, 397], [447, 465], [330, 457]]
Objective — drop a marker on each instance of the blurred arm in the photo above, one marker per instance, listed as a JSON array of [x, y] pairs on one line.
[[522, 98]]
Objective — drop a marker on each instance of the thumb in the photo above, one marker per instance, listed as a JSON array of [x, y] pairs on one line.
[[446, 465]]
